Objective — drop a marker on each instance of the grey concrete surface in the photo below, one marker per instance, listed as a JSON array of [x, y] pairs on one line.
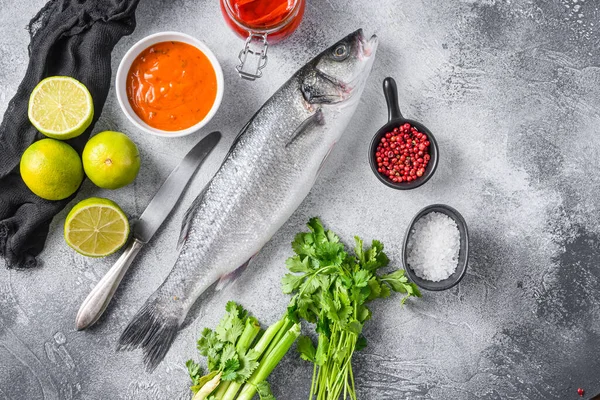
[[511, 88]]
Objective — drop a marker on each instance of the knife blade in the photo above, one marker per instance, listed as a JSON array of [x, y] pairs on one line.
[[167, 196], [144, 229]]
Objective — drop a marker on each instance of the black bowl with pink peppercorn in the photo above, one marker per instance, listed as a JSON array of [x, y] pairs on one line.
[[403, 153]]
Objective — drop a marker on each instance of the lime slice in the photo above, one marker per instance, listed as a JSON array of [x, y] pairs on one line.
[[61, 107], [96, 227]]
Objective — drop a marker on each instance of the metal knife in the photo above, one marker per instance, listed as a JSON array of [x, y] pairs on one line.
[[153, 216]]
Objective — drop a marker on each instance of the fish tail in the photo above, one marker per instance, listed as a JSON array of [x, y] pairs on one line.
[[153, 328]]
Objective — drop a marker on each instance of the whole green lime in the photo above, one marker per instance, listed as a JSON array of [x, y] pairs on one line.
[[111, 160], [51, 169]]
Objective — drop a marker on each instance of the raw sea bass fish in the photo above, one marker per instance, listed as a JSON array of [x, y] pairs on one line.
[[269, 171]]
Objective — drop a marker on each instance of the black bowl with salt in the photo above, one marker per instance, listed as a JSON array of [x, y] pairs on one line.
[[463, 252]]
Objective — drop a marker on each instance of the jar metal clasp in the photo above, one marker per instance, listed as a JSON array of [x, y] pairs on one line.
[[253, 58]]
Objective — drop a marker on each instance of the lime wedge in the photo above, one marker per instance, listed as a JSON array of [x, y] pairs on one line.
[[61, 107], [96, 227]]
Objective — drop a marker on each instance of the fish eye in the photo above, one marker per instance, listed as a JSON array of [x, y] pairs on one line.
[[341, 51]]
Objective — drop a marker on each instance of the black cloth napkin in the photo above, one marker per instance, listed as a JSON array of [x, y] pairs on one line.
[[68, 37]]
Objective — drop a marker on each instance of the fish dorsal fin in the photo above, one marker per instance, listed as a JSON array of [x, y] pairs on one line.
[[315, 119]]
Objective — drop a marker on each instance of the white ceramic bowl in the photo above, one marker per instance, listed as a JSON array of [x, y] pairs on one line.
[[131, 55]]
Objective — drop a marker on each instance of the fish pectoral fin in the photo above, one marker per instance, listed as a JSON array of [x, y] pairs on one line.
[[318, 118], [231, 277], [318, 88]]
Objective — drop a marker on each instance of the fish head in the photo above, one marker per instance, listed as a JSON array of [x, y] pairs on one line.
[[340, 72]]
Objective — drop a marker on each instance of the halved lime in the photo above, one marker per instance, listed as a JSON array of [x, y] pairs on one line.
[[96, 227], [61, 107]]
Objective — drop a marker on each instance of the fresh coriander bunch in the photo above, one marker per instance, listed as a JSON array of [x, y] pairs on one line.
[[240, 356], [331, 288]]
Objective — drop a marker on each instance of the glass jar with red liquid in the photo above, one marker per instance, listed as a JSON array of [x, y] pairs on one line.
[[260, 22]]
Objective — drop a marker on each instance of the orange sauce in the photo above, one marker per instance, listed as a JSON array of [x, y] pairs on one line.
[[171, 86]]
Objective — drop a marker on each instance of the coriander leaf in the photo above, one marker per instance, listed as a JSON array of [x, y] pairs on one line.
[[363, 314], [232, 307], [323, 281], [354, 327], [248, 363], [330, 253], [303, 244], [375, 287], [206, 341], [305, 308], [385, 291], [210, 346], [228, 322], [342, 293], [399, 283], [312, 284], [306, 349], [415, 289], [359, 249], [361, 343], [398, 275], [361, 278], [322, 349], [295, 264], [291, 282], [214, 362], [375, 258], [236, 311], [412, 291], [230, 369], [332, 237], [328, 306], [315, 225], [229, 353], [340, 354], [194, 371], [323, 326], [359, 294], [264, 391], [237, 327], [344, 312], [346, 281]]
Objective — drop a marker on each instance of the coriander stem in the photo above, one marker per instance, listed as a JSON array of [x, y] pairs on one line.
[[228, 390], [312, 382], [250, 331], [207, 389], [221, 389], [268, 336], [232, 389], [286, 325], [269, 362]]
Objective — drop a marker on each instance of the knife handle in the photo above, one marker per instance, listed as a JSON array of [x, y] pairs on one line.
[[94, 305]]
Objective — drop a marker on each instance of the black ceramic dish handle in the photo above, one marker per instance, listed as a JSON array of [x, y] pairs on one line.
[[390, 90]]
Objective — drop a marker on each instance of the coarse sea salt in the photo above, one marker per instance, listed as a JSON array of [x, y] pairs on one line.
[[433, 247]]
